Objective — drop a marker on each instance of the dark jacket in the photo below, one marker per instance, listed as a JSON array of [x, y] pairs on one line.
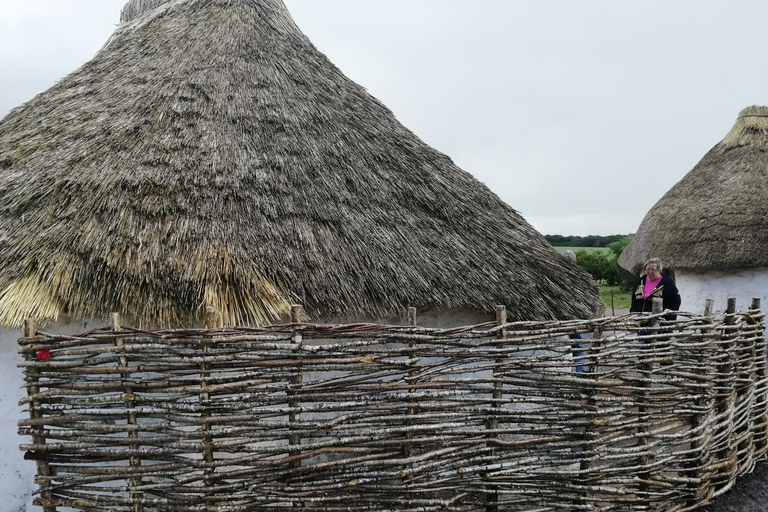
[[666, 289]]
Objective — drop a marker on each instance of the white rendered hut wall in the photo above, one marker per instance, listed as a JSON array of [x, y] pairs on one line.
[[440, 318], [17, 476], [696, 286]]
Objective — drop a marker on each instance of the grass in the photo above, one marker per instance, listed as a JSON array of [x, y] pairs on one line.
[[561, 250], [621, 299]]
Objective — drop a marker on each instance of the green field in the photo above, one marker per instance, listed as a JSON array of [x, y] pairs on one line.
[[561, 250], [621, 299]]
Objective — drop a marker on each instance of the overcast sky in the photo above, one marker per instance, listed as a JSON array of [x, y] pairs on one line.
[[578, 113]]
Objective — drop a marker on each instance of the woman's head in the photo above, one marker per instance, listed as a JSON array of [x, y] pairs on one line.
[[652, 268]]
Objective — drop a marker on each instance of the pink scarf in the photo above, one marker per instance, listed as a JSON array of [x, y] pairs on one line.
[[650, 286]]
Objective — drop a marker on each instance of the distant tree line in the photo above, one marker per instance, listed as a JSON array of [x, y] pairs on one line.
[[582, 241]]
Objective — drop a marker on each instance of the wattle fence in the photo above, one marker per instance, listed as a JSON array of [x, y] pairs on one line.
[[613, 414]]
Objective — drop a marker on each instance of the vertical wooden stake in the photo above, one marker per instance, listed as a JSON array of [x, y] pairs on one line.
[[492, 499], [699, 452], [408, 447], [30, 328], [594, 367], [613, 310], [725, 406], [591, 425], [211, 319], [709, 307], [745, 371], [130, 404], [297, 314], [501, 319], [761, 377], [644, 426], [33, 388]]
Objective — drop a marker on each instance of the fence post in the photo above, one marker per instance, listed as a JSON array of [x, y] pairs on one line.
[[130, 404], [761, 391], [33, 388], [297, 314], [492, 498], [726, 455], [644, 426], [746, 388], [205, 397], [699, 452], [613, 310], [408, 448], [501, 319], [593, 355]]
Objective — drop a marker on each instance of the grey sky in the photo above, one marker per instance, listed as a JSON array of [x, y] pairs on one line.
[[578, 113]]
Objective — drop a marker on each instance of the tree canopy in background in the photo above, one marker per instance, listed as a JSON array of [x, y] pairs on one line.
[[604, 267], [584, 241]]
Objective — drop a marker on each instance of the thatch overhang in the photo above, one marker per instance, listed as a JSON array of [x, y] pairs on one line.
[[210, 155], [716, 217]]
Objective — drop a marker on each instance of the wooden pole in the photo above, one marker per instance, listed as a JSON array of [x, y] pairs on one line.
[[297, 314], [205, 397], [699, 454], [492, 498], [761, 357], [644, 409], [746, 388], [593, 354], [33, 388], [709, 307], [130, 403], [408, 447], [726, 456]]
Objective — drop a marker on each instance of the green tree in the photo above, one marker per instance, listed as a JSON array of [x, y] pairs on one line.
[[626, 280], [599, 264], [604, 267], [618, 246]]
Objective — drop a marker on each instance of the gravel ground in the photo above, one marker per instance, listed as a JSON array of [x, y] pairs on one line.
[[750, 494]]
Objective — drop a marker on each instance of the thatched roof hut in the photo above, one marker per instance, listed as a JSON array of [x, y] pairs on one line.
[[210, 154], [714, 222]]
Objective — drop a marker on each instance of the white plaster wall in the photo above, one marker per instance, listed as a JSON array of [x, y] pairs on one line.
[[744, 284], [445, 318], [17, 475]]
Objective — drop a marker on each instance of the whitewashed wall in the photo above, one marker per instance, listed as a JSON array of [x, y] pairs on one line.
[[425, 318], [744, 284], [17, 475]]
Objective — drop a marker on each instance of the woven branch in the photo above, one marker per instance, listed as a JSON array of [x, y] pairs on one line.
[[373, 417]]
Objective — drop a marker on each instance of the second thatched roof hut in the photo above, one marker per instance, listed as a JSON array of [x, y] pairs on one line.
[[711, 228]]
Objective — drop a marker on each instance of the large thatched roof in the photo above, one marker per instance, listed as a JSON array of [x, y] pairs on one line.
[[210, 154], [716, 217]]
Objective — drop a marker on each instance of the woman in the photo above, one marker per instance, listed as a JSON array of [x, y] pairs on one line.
[[651, 285]]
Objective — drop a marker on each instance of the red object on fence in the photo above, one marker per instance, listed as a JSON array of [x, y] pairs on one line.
[[44, 355]]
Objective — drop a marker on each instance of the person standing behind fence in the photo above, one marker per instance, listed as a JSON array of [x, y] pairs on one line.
[[651, 285]]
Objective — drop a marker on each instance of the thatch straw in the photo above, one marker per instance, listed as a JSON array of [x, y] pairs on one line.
[[135, 8], [210, 153], [716, 217]]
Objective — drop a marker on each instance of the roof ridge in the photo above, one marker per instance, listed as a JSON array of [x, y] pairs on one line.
[[135, 8]]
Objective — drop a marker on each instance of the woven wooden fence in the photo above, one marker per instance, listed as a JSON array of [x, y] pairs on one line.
[[640, 414]]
